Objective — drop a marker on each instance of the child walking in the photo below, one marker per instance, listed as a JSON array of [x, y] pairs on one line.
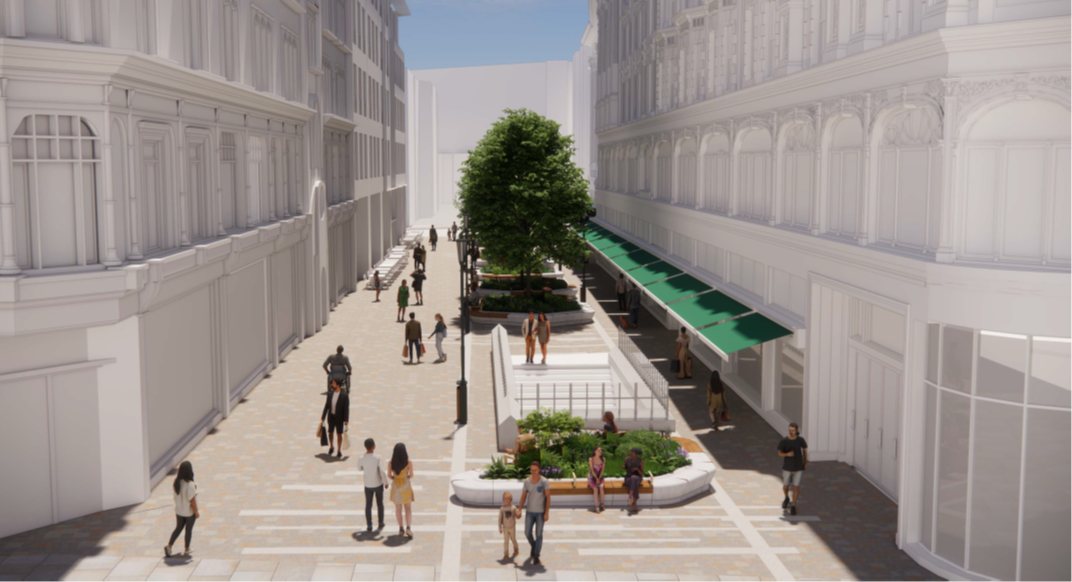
[[508, 515]]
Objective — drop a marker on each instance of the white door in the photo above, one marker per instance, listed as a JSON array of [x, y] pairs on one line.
[[875, 418]]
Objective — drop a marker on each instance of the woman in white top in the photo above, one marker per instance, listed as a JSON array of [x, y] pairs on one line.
[[681, 354], [186, 512]]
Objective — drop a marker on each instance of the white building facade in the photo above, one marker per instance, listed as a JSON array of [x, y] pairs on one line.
[[891, 181], [186, 189]]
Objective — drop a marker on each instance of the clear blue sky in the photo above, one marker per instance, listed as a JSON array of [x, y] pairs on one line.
[[465, 33]]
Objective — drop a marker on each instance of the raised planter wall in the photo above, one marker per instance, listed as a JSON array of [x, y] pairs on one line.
[[585, 315]]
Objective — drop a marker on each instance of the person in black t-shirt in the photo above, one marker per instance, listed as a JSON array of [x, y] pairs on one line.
[[418, 285], [794, 453], [338, 368]]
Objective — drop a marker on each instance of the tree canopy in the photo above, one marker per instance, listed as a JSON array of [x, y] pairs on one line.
[[523, 193]]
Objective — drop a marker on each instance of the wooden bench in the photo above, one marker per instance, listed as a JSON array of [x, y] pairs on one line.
[[610, 487]]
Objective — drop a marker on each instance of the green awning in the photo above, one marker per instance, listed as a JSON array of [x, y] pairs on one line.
[[622, 249], [608, 242], [635, 259], [591, 235], [676, 288], [703, 310], [744, 332], [654, 272]]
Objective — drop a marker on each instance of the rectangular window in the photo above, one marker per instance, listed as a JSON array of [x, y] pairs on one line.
[[748, 365], [261, 47], [229, 40], [789, 395], [291, 67]]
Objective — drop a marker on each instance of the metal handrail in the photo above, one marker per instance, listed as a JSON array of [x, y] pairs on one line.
[[658, 385]]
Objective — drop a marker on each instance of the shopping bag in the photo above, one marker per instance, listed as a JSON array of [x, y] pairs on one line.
[[422, 348], [405, 351], [345, 441], [675, 365], [323, 437], [319, 430], [725, 416], [624, 322]]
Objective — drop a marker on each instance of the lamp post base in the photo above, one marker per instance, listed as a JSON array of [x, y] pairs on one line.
[[463, 402]]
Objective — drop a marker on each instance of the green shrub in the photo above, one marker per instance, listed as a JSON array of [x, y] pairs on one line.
[[537, 303], [516, 284]]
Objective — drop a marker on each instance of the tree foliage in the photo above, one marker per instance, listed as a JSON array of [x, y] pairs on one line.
[[523, 193]]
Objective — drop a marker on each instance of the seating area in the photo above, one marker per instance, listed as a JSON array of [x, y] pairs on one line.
[[393, 265]]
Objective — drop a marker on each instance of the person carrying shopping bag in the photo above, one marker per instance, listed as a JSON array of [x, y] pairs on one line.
[[337, 414], [439, 334], [413, 339], [681, 354]]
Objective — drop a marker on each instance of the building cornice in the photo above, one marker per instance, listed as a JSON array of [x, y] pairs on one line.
[[48, 61], [936, 43]]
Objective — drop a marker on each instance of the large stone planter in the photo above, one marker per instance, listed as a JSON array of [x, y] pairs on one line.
[[672, 488], [570, 291], [583, 316], [481, 275]]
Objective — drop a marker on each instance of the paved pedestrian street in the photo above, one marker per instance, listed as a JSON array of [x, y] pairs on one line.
[[274, 506]]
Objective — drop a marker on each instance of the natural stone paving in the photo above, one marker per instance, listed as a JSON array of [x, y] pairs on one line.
[[259, 458]]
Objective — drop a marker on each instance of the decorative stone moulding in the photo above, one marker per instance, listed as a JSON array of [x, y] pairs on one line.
[[682, 485], [584, 316]]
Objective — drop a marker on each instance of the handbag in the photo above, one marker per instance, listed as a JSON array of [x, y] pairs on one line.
[[323, 436], [422, 348], [725, 416], [405, 351], [675, 365]]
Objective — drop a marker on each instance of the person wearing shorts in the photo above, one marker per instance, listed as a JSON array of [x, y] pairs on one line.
[[793, 450]]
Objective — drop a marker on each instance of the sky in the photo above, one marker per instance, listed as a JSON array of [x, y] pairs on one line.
[[465, 33]]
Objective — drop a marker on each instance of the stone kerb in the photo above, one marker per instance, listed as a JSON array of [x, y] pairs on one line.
[[682, 485], [507, 407]]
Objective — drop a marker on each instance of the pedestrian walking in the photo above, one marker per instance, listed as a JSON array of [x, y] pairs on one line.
[[439, 333], [375, 481], [423, 256], [413, 337], [403, 300], [418, 286], [417, 256], [543, 334], [433, 237], [681, 354], [793, 450], [595, 478], [337, 414], [621, 288], [528, 331], [536, 500], [337, 367], [508, 515], [400, 472], [634, 306], [377, 284], [453, 230], [186, 510], [634, 476], [609, 426], [716, 399]]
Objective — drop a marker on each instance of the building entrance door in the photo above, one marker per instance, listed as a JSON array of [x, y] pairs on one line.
[[875, 416]]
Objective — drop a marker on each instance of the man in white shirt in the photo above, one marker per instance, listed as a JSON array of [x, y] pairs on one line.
[[375, 482], [528, 330], [620, 289]]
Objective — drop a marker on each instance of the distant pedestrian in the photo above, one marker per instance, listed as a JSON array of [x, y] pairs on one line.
[[413, 337], [634, 476], [375, 481], [543, 334], [338, 368], [609, 426], [454, 231], [186, 510], [536, 499], [716, 399], [634, 306], [417, 256], [424, 256], [400, 471], [337, 414], [508, 515], [433, 237], [621, 288], [793, 450], [418, 286], [377, 284], [439, 333], [681, 354], [596, 464], [403, 300], [528, 331]]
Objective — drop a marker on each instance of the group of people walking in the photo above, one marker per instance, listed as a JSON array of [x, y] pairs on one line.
[[536, 329]]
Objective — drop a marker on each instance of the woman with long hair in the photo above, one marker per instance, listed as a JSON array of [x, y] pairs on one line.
[[378, 284], [543, 334], [634, 476], [439, 333], [400, 472], [716, 398], [595, 478], [186, 511], [609, 426]]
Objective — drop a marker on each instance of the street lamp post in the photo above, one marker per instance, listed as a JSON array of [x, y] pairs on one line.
[[463, 260], [584, 265]]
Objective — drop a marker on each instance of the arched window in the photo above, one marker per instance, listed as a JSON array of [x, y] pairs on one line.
[[56, 162], [843, 179], [753, 173], [797, 179], [717, 173]]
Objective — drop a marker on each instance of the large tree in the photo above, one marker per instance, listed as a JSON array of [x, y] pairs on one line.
[[523, 193]]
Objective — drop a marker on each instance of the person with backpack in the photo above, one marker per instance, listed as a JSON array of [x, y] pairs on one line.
[[186, 510], [439, 334], [338, 368]]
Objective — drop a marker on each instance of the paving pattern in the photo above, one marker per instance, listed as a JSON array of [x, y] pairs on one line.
[[276, 507]]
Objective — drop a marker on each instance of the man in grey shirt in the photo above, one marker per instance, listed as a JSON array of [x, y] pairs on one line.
[[536, 499]]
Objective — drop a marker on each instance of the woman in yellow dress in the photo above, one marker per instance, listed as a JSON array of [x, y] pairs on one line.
[[400, 472]]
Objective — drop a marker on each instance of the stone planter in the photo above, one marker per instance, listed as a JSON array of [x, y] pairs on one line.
[[583, 316], [670, 489], [480, 275], [570, 291]]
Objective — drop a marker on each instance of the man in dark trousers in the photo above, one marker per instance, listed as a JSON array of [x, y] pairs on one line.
[[337, 413], [337, 367], [433, 237], [793, 450], [620, 289], [418, 285], [634, 306], [413, 337]]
